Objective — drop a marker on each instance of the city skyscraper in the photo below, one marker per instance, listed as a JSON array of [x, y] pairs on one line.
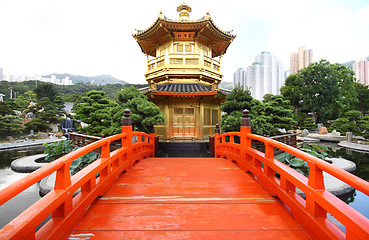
[[361, 69], [301, 59], [239, 77], [264, 76]]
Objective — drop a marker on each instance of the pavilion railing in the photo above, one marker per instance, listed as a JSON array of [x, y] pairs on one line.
[[92, 181], [281, 181]]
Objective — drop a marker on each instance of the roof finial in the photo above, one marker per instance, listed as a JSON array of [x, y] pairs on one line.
[[161, 15], [207, 16], [184, 11]]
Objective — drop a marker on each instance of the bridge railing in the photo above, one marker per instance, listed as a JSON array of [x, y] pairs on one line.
[[94, 180], [281, 181]]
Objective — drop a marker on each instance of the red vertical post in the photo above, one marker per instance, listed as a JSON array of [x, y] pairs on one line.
[[127, 128], [216, 140], [62, 182], [245, 141], [316, 181], [152, 140]]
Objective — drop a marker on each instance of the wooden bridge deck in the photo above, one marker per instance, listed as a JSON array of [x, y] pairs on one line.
[[187, 198]]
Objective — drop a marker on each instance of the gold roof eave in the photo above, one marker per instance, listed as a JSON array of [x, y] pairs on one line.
[[163, 27]]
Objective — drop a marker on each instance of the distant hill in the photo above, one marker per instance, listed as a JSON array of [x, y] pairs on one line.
[[96, 80], [350, 63], [226, 85]]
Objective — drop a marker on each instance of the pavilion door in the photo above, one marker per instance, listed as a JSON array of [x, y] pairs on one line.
[[184, 123]]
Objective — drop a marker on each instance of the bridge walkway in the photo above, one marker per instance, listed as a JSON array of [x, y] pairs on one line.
[[187, 198]]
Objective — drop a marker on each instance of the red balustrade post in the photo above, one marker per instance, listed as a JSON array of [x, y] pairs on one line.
[[216, 141], [245, 141], [316, 181], [269, 155], [127, 128], [62, 182], [152, 140]]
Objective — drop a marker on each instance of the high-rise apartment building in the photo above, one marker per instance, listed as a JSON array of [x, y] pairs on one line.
[[301, 59], [1, 74], [361, 69], [239, 77], [264, 76]]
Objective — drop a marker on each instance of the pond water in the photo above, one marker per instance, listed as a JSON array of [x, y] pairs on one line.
[[355, 199], [21, 202]]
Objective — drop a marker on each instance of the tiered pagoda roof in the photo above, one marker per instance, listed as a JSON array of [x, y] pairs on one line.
[[203, 29]]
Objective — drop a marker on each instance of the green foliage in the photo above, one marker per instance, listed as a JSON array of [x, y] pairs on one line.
[[309, 124], [20, 103], [20, 87], [265, 118], [300, 165], [5, 109], [31, 95], [261, 126], [83, 161], [363, 98], [238, 100], [14, 104], [344, 125], [10, 124], [144, 114], [37, 125], [292, 90], [353, 122], [47, 90], [278, 112], [95, 111], [297, 164], [231, 121], [51, 112], [324, 88], [56, 150], [319, 151], [353, 115]]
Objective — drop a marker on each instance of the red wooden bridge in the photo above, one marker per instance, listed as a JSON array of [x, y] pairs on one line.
[[130, 194]]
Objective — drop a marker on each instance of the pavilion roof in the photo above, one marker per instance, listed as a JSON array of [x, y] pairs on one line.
[[184, 88], [204, 30]]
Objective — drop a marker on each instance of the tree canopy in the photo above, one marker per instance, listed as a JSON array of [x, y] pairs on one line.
[[267, 118], [363, 98], [237, 101], [144, 114], [324, 88], [46, 90], [94, 110]]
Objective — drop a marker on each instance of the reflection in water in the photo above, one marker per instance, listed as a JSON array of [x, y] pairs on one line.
[[18, 204], [356, 199]]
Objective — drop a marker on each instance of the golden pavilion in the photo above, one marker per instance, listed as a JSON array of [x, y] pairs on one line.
[[184, 71]]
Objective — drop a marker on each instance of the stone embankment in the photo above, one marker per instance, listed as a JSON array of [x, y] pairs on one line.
[[28, 164], [331, 183], [28, 143], [355, 146]]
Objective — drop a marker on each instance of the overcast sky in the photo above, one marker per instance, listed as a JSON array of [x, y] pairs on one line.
[[95, 37]]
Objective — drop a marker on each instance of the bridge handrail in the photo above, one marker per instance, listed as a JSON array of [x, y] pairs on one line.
[[349, 178], [19, 186], [310, 213], [92, 181]]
